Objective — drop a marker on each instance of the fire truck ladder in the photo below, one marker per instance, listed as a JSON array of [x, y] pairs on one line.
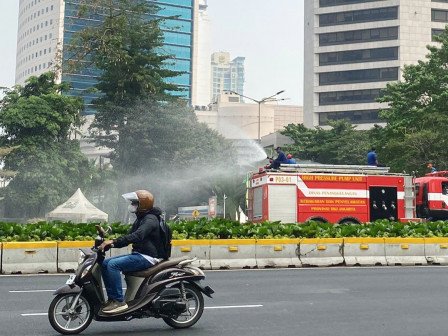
[[328, 168]]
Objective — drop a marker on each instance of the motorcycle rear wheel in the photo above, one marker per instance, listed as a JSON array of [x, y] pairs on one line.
[[68, 322], [195, 308]]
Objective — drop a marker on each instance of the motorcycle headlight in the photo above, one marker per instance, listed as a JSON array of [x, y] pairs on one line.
[[85, 271], [82, 257]]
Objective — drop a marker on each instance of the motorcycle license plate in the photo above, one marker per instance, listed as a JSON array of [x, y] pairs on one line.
[[70, 280]]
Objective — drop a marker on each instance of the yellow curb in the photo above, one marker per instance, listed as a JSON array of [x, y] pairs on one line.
[[29, 245], [75, 244], [284, 241], [232, 242], [404, 240], [183, 242], [322, 241], [362, 240]]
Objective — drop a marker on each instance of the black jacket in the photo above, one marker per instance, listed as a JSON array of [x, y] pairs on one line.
[[144, 234]]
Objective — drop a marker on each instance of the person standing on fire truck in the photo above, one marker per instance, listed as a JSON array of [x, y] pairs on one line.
[[372, 158]]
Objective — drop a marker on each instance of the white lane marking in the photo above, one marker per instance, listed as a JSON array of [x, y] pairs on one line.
[[213, 307], [37, 290], [32, 291], [229, 307], [35, 314]]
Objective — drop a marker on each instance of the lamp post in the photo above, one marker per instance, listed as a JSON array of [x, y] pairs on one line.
[[259, 102]]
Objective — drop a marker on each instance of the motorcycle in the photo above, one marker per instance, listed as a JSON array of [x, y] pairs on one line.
[[170, 290]]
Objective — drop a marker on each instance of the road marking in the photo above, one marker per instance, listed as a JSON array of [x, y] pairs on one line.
[[32, 291], [213, 307], [38, 290], [229, 307], [35, 314]]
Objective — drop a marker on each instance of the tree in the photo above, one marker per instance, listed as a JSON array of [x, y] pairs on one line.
[[341, 144], [37, 120], [164, 148], [417, 112]]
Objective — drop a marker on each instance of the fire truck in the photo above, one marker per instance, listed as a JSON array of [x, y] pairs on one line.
[[330, 193], [431, 195]]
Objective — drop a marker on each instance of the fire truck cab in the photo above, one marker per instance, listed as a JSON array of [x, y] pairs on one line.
[[432, 195], [330, 193]]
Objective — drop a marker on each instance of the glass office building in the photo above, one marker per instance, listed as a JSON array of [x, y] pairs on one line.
[[178, 41]]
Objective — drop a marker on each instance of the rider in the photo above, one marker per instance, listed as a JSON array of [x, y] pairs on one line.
[[144, 236]]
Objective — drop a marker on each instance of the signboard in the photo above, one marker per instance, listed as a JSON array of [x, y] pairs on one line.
[[195, 213], [212, 202]]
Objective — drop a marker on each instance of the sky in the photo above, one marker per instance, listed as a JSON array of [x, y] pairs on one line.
[[268, 33]]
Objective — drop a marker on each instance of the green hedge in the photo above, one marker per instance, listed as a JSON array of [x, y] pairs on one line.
[[225, 229]]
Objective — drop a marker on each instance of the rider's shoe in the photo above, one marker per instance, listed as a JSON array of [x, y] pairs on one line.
[[115, 307]]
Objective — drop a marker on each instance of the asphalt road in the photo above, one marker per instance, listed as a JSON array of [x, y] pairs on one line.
[[315, 301]]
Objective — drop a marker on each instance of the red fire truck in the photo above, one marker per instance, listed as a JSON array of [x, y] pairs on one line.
[[330, 193], [431, 197]]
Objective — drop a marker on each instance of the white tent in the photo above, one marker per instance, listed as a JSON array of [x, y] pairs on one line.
[[77, 209]]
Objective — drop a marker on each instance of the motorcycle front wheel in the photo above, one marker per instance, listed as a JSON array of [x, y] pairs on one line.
[[68, 317], [195, 308]]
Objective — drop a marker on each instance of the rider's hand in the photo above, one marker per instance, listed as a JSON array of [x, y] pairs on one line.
[[105, 244]]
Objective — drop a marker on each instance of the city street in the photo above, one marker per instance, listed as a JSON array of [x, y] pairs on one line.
[[328, 301]]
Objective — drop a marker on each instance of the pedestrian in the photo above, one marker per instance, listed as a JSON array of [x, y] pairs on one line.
[[431, 167], [372, 158]]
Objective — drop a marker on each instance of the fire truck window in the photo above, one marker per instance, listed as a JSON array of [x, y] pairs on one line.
[[445, 188], [417, 188]]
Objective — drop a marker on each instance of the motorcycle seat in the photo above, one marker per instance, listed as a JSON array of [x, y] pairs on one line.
[[157, 268]]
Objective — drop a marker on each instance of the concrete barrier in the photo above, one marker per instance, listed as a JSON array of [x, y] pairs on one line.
[[436, 250], [364, 252], [29, 257], [193, 248], [68, 254], [321, 252], [405, 251], [232, 253], [277, 253]]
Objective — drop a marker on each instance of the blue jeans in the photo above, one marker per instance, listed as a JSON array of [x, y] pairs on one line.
[[112, 268]]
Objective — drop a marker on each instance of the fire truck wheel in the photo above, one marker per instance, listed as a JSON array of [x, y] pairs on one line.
[[316, 219], [349, 221]]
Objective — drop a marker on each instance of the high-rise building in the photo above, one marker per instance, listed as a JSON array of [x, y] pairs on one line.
[[226, 75], [200, 95], [46, 28], [353, 48]]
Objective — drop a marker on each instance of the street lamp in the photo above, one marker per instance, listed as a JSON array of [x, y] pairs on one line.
[[259, 102]]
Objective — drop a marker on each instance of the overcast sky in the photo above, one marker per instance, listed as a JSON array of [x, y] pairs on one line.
[[269, 33]]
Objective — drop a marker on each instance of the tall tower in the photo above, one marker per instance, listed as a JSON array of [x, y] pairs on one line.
[[46, 28], [201, 56], [353, 48], [226, 75]]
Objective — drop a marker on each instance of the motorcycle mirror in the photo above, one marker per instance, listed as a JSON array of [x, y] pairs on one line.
[[100, 230]]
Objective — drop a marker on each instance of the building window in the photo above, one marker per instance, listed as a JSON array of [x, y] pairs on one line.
[[358, 36], [365, 15], [439, 15], [359, 56], [328, 3], [355, 117], [358, 76], [349, 97], [436, 32]]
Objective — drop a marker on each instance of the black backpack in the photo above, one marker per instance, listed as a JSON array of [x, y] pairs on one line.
[[165, 237]]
